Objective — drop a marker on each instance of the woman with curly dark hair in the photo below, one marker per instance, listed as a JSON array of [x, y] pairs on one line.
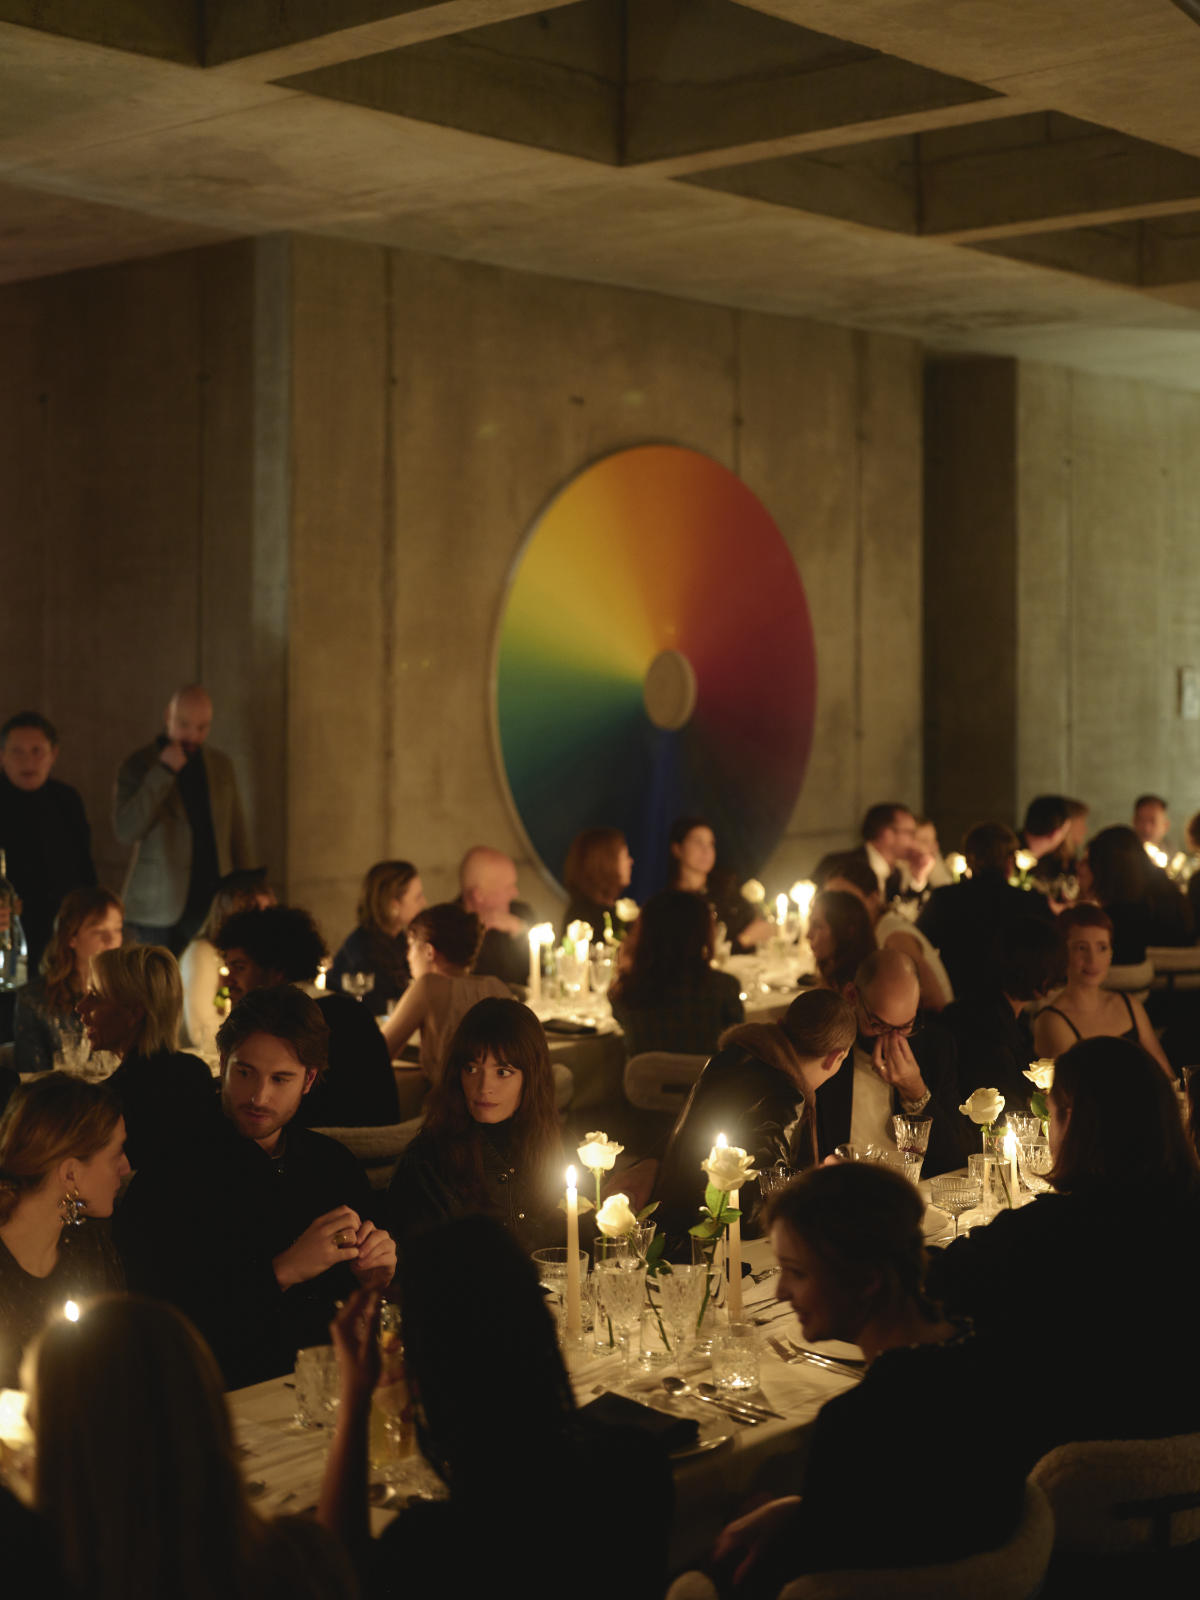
[[491, 1142]]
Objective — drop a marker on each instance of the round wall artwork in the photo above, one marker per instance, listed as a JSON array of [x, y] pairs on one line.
[[655, 659]]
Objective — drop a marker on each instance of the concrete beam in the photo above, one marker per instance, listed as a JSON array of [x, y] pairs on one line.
[[1152, 253], [167, 29]]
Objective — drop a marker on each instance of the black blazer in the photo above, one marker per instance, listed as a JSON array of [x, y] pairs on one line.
[[950, 1138]]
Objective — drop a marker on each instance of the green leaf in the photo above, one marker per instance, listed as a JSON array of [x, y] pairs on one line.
[[654, 1261], [705, 1230], [732, 1214], [648, 1211], [715, 1199], [1037, 1104]]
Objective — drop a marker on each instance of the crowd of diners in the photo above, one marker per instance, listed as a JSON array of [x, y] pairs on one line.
[[163, 1166]]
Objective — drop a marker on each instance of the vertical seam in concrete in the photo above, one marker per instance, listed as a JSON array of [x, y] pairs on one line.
[[202, 425], [736, 452], [859, 441], [1072, 606], [387, 584]]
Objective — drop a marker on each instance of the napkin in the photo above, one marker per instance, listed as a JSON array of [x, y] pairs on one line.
[[611, 1410]]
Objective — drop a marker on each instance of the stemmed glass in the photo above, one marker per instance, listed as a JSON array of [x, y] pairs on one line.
[[1036, 1161], [680, 1296], [912, 1140], [552, 1272], [955, 1194], [621, 1293], [359, 984]]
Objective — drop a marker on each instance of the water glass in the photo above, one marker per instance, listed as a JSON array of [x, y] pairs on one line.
[[912, 1134], [359, 984], [552, 1273], [680, 1296], [1025, 1127], [621, 1296], [1035, 1161], [773, 1179], [316, 1385], [657, 1343], [735, 1356], [955, 1194]]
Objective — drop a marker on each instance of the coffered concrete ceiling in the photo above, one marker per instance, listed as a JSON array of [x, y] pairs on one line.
[[1018, 176]]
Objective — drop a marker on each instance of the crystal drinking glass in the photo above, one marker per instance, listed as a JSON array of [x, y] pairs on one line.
[[680, 1296], [359, 984], [1035, 1160], [551, 1265], [621, 1292], [912, 1134], [955, 1194]]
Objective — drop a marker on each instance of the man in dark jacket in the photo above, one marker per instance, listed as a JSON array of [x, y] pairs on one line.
[[257, 1232]]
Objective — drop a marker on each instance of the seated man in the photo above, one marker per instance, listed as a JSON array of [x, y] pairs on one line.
[[898, 1065], [1150, 820], [991, 1032], [962, 920], [259, 1231], [280, 944], [888, 831], [487, 881]]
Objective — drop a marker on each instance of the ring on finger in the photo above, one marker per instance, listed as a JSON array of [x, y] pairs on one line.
[[344, 1238]]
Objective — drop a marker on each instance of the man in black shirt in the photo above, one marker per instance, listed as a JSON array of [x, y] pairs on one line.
[[487, 881], [43, 827], [257, 1232]]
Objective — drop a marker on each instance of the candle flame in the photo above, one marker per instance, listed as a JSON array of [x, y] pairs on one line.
[[722, 1142], [570, 1177], [71, 1311]]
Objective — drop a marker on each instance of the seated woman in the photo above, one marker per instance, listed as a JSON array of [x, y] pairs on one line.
[[502, 1433], [390, 898], [47, 1030], [850, 873], [757, 1090], [693, 849], [132, 1008], [668, 997], [1085, 1009], [851, 1264], [1146, 908], [491, 1142], [1111, 1243], [443, 942], [137, 1474], [595, 876], [62, 1159], [200, 964], [840, 937]]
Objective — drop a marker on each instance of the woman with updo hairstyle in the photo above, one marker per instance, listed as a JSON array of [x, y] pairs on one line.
[[596, 876], [200, 966], [1113, 1242], [132, 1008], [62, 1159], [443, 942], [1085, 1009], [136, 1472], [491, 1144], [841, 937], [668, 995], [47, 1032], [851, 1259], [759, 1089], [390, 898]]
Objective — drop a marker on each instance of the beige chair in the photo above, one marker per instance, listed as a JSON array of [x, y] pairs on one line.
[[1123, 1496], [659, 1080], [378, 1149], [1013, 1572], [1134, 981]]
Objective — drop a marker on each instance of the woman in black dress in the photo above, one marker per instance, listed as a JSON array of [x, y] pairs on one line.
[[596, 875], [669, 997], [390, 898], [491, 1144]]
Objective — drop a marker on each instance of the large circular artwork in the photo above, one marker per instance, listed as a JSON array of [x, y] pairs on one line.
[[655, 659]]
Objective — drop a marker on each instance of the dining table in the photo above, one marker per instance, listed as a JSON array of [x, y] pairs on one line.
[[282, 1461]]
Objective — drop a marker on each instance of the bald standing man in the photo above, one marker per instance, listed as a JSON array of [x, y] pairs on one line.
[[177, 804], [487, 883]]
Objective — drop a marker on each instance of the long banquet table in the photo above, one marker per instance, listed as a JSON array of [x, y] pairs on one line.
[[711, 1485]]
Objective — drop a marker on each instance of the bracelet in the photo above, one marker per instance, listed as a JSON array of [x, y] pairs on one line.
[[912, 1107]]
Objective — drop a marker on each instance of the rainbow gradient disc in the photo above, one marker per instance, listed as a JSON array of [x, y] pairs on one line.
[[655, 658]]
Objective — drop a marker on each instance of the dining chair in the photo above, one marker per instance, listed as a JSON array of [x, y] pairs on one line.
[[1124, 1496], [661, 1080]]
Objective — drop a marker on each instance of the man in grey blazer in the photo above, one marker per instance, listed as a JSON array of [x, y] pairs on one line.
[[177, 804]]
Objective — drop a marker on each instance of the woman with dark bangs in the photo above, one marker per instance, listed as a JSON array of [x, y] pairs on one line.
[[595, 876], [491, 1144]]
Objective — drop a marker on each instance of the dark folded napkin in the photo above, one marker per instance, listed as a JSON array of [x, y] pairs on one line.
[[568, 1026], [610, 1410]]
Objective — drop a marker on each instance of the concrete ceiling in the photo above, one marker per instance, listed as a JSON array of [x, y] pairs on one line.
[[1013, 176]]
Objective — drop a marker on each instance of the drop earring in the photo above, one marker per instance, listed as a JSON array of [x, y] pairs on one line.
[[72, 1206]]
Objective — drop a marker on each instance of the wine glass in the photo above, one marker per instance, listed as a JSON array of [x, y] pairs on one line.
[[621, 1292], [552, 1273], [912, 1140], [359, 984], [680, 1296], [953, 1193], [1035, 1162]]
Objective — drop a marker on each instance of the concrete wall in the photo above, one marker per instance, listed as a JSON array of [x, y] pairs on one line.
[[302, 469], [1056, 632], [437, 406], [134, 517]]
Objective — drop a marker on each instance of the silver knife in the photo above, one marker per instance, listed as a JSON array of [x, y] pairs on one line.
[[795, 1352], [730, 1408]]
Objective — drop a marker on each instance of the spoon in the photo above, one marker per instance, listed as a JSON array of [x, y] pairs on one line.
[[709, 1391], [676, 1386]]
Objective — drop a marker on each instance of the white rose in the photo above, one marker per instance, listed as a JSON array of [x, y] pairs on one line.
[[599, 1153], [615, 1217], [984, 1106], [753, 891], [1041, 1073], [626, 909], [1025, 860], [578, 932], [728, 1167]]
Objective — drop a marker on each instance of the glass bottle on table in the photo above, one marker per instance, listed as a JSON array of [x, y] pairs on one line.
[[14, 953]]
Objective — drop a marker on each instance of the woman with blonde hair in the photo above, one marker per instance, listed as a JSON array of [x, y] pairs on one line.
[[62, 1158], [136, 1471], [200, 965], [132, 1008], [47, 1031], [390, 898]]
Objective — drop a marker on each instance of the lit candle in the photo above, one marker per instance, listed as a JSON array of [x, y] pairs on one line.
[[733, 1250], [582, 952], [71, 1311], [781, 905], [574, 1322], [1010, 1150], [535, 966]]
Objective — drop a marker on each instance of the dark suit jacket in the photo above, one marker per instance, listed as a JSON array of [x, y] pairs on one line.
[[950, 1138], [49, 844], [358, 1087], [993, 1048], [149, 814], [962, 920]]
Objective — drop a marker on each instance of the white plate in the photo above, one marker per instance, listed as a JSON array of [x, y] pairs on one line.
[[712, 1437]]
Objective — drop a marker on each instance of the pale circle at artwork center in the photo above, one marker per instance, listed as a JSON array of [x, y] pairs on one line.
[[669, 690]]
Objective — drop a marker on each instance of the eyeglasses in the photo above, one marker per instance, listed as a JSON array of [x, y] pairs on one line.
[[881, 1029]]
